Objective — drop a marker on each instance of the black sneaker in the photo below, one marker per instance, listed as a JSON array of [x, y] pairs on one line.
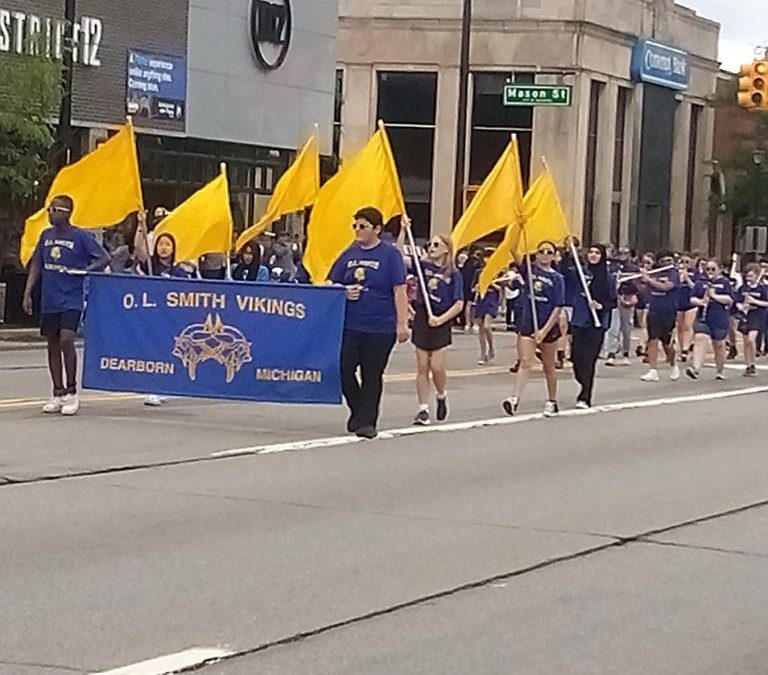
[[732, 352], [515, 368], [352, 425], [510, 405], [422, 419], [367, 432], [692, 373], [551, 409], [442, 409]]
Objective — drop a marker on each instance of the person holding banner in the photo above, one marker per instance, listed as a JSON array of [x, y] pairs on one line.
[[662, 314], [545, 294], [249, 267], [63, 256], [588, 338], [713, 297], [752, 304], [377, 316], [432, 323]]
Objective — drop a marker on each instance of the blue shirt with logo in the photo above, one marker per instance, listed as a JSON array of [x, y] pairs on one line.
[[378, 270], [758, 292], [664, 302], [444, 288], [548, 292], [716, 314], [58, 251]]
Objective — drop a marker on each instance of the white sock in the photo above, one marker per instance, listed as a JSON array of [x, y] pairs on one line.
[[443, 396], [423, 407]]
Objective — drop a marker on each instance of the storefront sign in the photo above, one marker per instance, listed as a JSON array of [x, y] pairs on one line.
[[660, 64], [528, 95], [24, 33], [157, 86], [271, 25]]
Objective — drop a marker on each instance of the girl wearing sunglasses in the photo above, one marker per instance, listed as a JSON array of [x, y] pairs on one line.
[[547, 289], [713, 297], [432, 336], [686, 312]]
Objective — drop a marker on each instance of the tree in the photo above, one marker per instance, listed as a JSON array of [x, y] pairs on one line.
[[30, 95], [748, 198]]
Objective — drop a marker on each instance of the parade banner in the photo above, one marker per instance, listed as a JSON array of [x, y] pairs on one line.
[[214, 339]]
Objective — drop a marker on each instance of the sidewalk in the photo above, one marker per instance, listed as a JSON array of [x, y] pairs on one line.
[[20, 338]]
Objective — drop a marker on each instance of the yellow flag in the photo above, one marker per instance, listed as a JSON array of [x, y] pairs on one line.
[[497, 203], [203, 223], [105, 186], [543, 216], [502, 257], [368, 179], [296, 190]]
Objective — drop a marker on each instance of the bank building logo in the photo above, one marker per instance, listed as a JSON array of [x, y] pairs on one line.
[[271, 26], [212, 341]]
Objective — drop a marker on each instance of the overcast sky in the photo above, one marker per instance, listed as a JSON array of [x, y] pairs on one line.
[[744, 26]]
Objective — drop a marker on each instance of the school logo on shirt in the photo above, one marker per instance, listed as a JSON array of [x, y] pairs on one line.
[[538, 286], [56, 253], [212, 341], [360, 274], [434, 284]]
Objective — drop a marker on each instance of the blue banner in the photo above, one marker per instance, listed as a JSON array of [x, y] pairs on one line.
[[660, 64], [214, 339], [157, 86]]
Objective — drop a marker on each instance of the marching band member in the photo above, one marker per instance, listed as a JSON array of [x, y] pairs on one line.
[[485, 311], [686, 312], [752, 304], [662, 311], [546, 288], [713, 297], [373, 273]]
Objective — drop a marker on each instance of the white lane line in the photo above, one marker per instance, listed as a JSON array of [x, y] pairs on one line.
[[316, 443], [172, 663]]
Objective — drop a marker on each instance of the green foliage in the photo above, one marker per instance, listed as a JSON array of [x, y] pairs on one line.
[[748, 196], [30, 95]]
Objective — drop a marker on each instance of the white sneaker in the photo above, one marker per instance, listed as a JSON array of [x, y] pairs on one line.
[[482, 361], [625, 362], [53, 406], [70, 404], [551, 409], [610, 361], [720, 377], [651, 376], [582, 405], [675, 374], [154, 401]]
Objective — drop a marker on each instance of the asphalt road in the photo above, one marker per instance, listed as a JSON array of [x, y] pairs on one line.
[[633, 539]]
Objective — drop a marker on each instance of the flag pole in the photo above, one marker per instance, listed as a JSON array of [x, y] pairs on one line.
[[228, 253], [531, 290], [139, 217], [580, 270], [417, 264]]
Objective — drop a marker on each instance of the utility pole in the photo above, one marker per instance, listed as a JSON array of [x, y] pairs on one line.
[[461, 136], [64, 131]]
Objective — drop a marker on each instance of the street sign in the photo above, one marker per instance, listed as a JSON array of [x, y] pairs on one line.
[[529, 95]]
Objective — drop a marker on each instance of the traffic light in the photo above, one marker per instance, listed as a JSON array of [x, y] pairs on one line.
[[753, 86]]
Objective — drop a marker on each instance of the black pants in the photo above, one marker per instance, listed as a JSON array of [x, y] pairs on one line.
[[370, 353], [587, 343]]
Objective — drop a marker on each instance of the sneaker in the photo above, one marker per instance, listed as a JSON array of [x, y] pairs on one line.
[[53, 406], [683, 357], [624, 362], [422, 419], [692, 372], [482, 361], [70, 404], [732, 352], [442, 409], [645, 359], [154, 401], [515, 368], [582, 405], [720, 377], [367, 432], [491, 357], [675, 374], [639, 351], [559, 364], [651, 376], [551, 409], [510, 405], [750, 371], [611, 360]]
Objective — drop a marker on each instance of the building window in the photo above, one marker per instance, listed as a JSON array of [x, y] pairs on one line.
[[690, 188], [595, 93], [493, 124], [407, 103], [622, 104]]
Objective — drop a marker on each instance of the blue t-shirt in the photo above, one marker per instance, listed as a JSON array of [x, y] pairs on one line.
[[582, 315], [663, 302], [548, 292], [716, 314], [378, 270], [59, 250], [684, 294], [444, 290], [758, 292]]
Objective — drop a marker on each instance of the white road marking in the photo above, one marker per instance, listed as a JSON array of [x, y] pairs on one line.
[[172, 663], [317, 443]]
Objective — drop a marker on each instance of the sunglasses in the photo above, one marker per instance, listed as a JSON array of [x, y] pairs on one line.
[[58, 209], [362, 226], [435, 244], [712, 269], [545, 251]]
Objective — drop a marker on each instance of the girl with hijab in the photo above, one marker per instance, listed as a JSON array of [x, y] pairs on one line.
[[588, 338], [547, 287], [249, 267]]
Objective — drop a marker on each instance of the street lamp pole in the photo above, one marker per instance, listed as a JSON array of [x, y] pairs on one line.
[[64, 131], [758, 157], [461, 136]]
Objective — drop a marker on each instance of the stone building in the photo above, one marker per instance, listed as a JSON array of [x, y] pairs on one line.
[[629, 154]]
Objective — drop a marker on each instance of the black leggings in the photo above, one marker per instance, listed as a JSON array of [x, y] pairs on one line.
[[587, 343], [370, 353]]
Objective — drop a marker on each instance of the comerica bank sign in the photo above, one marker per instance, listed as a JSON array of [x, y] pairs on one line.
[[661, 65], [25, 33]]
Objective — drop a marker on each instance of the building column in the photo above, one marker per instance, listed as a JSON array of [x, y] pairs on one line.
[[357, 121], [635, 138], [606, 144], [680, 169], [701, 206], [444, 161], [630, 147]]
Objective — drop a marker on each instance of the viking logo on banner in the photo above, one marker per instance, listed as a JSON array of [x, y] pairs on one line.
[[182, 337]]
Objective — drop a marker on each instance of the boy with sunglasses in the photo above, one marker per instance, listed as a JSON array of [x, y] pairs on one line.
[[63, 256]]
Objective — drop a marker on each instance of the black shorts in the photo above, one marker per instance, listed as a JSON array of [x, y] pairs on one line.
[[661, 326], [430, 339], [753, 322], [553, 336], [718, 334], [51, 325]]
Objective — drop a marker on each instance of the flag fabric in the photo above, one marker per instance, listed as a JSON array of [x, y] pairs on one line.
[[296, 190], [368, 179], [203, 223], [497, 203], [105, 186], [501, 259], [543, 217]]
